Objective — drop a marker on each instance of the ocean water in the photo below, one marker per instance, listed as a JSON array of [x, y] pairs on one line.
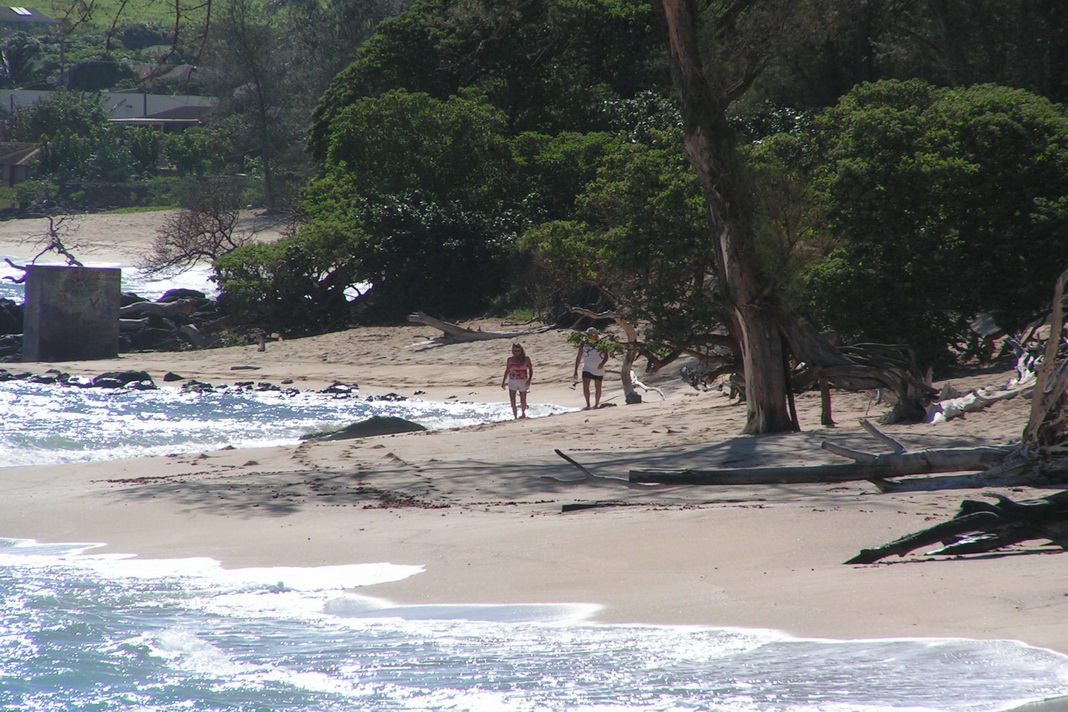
[[133, 280], [50, 424], [83, 631]]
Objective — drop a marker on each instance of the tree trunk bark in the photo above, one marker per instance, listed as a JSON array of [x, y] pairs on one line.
[[711, 151], [766, 381]]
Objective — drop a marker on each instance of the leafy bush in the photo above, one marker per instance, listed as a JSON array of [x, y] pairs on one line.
[[944, 204], [296, 285]]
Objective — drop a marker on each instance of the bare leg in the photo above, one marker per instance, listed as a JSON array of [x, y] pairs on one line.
[[511, 397], [523, 403], [586, 391], [597, 389]]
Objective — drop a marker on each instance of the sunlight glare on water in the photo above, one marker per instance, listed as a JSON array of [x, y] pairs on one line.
[[83, 631], [48, 424]]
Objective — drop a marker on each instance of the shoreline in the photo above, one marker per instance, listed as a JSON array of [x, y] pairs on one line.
[[472, 507]]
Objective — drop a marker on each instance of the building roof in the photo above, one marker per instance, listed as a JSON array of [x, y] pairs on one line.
[[183, 112], [17, 14]]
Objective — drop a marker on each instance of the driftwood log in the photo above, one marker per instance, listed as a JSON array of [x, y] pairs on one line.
[[454, 332], [981, 527], [865, 467], [179, 307]]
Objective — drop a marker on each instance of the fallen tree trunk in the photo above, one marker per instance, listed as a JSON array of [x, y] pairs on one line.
[[865, 466], [879, 467], [179, 307], [982, 527], [457, 333]]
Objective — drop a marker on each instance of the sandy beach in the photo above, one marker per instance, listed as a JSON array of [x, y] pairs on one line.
[[473, 506]]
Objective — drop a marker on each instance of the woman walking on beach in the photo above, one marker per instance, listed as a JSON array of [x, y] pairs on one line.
[[518, 371], [592, 360]]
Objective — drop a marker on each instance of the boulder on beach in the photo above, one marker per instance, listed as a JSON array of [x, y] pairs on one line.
[[375, 425]]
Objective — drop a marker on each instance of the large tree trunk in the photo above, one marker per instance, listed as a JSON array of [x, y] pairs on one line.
[[711, 151], [767, 381]]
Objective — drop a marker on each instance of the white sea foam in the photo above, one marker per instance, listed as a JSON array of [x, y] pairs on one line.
[[134, 280], [113, 631]]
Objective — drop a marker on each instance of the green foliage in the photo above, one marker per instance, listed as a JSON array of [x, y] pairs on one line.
[[64, 112], [98, 73], [32, 193], [549, 65], [8, 198], [945, 204], [400, 142], [296, 285], [557, 168], [429, 255], [604, 343], [196, 151], [644, 239], [429, 187], [145, 145], [100, 155], [17, 60]]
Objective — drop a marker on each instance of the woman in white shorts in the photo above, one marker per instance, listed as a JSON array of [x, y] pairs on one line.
[[518, 371]]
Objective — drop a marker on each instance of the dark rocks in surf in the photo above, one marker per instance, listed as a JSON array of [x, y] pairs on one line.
[[375, 425]]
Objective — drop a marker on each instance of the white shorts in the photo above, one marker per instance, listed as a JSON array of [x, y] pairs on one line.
[[518, 384]]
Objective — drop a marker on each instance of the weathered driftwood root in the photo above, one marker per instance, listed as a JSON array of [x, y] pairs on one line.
[[179, 307], [982, 527], [455, 332], [866, 467], [590, 478]]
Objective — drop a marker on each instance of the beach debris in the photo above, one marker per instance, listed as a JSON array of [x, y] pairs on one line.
[[579, 506], [590, 478], [982, 527], [956, 405], [454, 333], [866, 466], [375, 425]]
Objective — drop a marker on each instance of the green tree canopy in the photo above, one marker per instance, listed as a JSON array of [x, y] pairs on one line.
[[945, 204], [642, 239], [63, 112], [549, 65]]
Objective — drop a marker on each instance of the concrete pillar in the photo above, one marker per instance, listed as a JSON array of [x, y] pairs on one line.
[[71, 313]]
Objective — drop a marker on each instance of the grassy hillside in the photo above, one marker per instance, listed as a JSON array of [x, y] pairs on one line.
[[102, 13]]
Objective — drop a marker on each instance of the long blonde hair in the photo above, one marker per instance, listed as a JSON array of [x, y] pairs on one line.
[[522, 351]]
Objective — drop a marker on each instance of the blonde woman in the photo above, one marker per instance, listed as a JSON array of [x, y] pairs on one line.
[[518, 372]]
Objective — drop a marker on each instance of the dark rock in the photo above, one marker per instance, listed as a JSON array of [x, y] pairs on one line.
[[339, 388], [171, 376], [10, 317], [173, 295], [119, 379], [375, 425]]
